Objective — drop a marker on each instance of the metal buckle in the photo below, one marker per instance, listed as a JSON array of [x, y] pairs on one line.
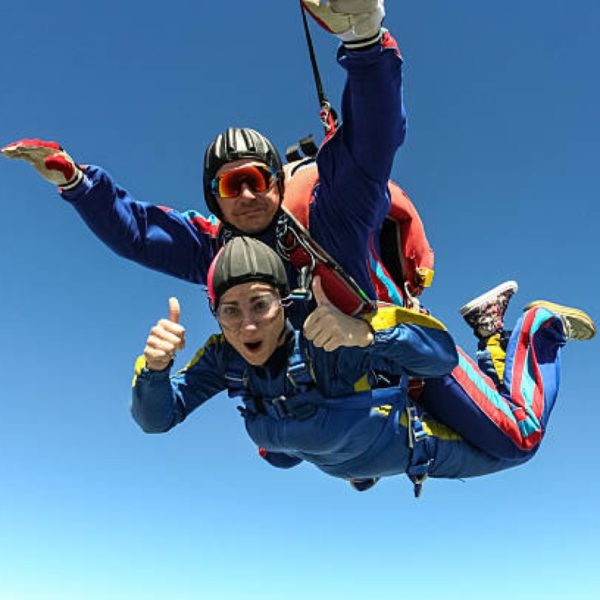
[[416, 432], [280, 406], [300, 412], [411, 301]]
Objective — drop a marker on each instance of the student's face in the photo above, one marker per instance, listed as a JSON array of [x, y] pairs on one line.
[[250, 211], [252, 320]]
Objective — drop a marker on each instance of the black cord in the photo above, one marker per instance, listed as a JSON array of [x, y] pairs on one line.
[[313, 58]]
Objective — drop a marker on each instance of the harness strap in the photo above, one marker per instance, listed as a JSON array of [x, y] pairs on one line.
[[299, 370], [296, 245], [419, 460], [300, 401]]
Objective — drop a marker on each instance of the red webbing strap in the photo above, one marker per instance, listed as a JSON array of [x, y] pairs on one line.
[[295, 244]]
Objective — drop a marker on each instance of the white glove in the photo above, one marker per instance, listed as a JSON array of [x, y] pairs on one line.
[[48, 159], [356, 22]]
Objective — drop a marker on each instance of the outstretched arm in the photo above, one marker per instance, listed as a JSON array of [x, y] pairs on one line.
[[352, 198], [156, 237], [373, 118]]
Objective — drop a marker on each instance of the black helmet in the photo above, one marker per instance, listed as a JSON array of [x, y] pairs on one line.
[[242, 260], [235, 144]]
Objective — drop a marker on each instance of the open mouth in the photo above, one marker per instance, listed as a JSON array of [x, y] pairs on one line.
[[253, 346]]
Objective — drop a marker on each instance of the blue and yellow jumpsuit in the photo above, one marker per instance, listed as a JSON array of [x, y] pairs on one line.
[[347, 427]]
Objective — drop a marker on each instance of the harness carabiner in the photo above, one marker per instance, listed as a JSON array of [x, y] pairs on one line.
[[411, 301]]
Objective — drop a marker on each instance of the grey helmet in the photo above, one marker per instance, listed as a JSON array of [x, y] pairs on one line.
[[235, 144], [242, 260]]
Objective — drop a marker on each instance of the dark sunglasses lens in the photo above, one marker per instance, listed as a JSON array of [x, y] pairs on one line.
[[230, 184]]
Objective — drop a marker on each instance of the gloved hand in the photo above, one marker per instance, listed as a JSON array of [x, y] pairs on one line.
[[49, 160], [356, 22]]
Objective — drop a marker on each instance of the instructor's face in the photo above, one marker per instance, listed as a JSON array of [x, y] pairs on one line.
[[250, 211]]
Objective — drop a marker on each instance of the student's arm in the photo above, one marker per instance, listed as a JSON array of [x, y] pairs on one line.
[[161, 401]]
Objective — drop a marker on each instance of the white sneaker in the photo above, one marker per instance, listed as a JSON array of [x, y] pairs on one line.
[[485, 314]]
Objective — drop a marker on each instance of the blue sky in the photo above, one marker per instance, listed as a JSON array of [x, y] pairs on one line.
[[501, 159]]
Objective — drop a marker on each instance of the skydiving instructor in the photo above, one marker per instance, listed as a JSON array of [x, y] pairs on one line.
[[244, 182]]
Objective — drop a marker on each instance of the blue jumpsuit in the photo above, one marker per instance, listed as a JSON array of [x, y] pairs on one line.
[[363, 434], [349, 206]]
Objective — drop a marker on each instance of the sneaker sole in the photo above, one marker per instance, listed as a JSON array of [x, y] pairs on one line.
[[581, 324], [489, 295]]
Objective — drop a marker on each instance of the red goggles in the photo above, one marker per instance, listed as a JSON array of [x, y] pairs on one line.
[[229, 185]]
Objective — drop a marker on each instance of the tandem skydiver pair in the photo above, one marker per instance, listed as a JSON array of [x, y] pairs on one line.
[[395, 366]]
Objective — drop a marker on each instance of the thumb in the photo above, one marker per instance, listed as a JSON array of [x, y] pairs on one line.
[[174, 310], [61, 162], [319, 293]]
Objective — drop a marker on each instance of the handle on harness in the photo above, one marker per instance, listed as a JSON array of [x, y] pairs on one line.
[[419, 461]]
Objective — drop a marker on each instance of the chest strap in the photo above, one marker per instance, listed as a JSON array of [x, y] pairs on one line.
[[300, 400]]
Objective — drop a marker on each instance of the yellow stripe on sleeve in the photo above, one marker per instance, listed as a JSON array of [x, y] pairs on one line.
[[213, 339], [140, 363]]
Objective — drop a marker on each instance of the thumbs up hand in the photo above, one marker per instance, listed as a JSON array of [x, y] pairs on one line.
[[329, 328], [165, 339]]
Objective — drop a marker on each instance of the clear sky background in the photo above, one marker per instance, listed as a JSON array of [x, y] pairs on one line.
[[502, 161]]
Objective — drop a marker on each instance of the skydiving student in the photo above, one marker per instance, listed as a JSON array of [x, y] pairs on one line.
[[244, 178], [308, 396]]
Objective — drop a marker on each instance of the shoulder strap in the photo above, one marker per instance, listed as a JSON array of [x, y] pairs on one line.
[[300, 378], [236, 374], [295, 244], [300, 372]]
